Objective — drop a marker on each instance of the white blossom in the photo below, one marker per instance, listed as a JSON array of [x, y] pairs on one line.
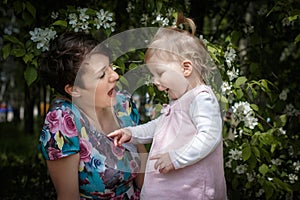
[[297, 165], [290, 110], [276, 161], [259, 193], [232, 74], [104, 19], [226, 88], [283, 94], [241, 169], [82, 14], [250, 177], [72, 19], [145, 19], [162, 21], [130, 7], [54, 15], [235, 154], [282, 131], [79, 20], [287, 51], [293, 178], [243, 112], [250, 121], [286, 22], [229, 56], [228, 164], [42, 37], [10, 29]]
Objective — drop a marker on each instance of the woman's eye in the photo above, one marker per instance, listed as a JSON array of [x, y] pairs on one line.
[[102, 76]]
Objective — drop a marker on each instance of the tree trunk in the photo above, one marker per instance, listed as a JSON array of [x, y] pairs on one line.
[[28, 110]]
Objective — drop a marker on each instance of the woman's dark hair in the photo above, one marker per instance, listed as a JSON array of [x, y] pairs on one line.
[[59, 65]]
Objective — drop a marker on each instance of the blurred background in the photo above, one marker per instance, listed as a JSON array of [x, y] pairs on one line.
[[255, 45]]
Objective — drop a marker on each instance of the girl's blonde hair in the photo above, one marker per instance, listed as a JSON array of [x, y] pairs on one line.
[[179, 44]]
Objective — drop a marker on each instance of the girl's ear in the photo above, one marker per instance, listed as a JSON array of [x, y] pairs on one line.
[[72, 90], [187, 68]]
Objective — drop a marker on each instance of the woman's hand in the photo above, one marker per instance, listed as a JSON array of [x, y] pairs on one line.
[[120, 136], [163, 163]]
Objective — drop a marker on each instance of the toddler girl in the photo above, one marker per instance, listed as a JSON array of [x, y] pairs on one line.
[[186, 155]]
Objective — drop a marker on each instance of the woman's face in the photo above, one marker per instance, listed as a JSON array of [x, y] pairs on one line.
[[99, 81], [168, 77]]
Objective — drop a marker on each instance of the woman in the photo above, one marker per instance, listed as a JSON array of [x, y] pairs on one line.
[[82, 161]]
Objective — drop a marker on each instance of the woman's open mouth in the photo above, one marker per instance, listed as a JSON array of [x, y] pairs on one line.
[[112, 92]]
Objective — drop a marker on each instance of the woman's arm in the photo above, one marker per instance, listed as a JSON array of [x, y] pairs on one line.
[[139, 180], [64, 175]]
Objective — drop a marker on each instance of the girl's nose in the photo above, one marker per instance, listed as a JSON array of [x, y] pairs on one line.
[[156, 83]]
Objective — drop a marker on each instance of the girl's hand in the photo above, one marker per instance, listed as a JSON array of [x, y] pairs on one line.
[[120, 136], [163, 163]]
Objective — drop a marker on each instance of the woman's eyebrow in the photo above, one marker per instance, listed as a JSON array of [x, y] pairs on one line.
[[102, 69]]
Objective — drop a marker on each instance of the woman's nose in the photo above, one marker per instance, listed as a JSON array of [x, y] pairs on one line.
[[113, 75]]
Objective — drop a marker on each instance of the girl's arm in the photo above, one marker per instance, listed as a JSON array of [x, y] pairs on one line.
[[64, 175], [205, 114], [141, 134]]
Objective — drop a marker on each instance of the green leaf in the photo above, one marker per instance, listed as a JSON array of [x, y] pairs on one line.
[[256, 151], [268, 187], [282, 184], [13, 40], [18, 52], [158, 6], [252, 162], [246, 152], [254, 107], [132, 66], [28, 57], [239, 94], [263, 169], [297, 39], [31, 9], [282, 120], [239, 81], [62, 23], [293, 18], [124, 81], [6, 50], [264, 85], [30, 75], [27, 18]]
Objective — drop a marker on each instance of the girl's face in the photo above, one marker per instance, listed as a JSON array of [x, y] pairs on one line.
[[99, 80], [168, 77]]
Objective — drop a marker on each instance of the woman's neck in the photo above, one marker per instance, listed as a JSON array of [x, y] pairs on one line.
[[107, 119]]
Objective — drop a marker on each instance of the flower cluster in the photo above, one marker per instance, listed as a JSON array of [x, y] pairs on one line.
[[42, 37], [159, 19], [80, 19], [243, 112]]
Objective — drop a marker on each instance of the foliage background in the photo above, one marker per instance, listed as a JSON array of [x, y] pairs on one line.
[[255, 45]]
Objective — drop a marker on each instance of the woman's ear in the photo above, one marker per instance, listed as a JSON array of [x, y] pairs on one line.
[[187, 68], [72, 90]]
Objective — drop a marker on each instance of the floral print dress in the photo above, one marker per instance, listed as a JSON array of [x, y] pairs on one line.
[[105, 171]]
